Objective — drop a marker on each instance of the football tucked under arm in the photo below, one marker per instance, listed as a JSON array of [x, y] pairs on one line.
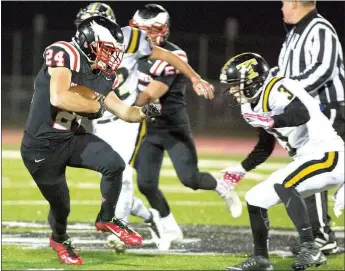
[[84, 91], [92, 95]]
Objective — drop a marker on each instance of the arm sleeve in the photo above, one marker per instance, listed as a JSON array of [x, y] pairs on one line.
[[62, 54], [261, 152], [295, 114], [324, 50]]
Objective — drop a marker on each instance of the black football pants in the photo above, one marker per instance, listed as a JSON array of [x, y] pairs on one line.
[[47, 166], [318, 204], [179, 144]]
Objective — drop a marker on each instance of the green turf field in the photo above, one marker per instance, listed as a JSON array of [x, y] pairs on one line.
[[22, 201]]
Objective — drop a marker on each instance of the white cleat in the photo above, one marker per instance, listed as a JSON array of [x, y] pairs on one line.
[[170, 236], [172, 232]]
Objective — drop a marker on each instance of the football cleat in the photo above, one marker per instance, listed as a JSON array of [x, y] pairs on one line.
[[155, 225], [310, 255], [65, 252], [326, 247], [172, 232], [253, 263], [121, 230]]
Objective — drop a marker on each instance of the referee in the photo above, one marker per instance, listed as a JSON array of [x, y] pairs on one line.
[[312, 55]]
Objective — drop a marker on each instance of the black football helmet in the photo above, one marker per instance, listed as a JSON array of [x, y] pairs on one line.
[[101, 41], [95, 9], [154, 20], [245, 74]]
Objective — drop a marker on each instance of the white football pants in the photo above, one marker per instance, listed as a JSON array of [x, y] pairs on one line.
[[125, 138], [309, 174]]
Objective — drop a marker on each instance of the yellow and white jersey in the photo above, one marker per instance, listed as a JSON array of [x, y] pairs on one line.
[[137, 46], [316, 135]]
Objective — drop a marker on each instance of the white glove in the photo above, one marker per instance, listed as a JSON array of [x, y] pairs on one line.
[[233, 175], [257, 120]]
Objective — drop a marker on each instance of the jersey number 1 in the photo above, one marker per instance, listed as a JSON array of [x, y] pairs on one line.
[[58, 58]]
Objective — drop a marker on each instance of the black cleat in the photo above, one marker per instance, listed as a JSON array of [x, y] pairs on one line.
[[253, 263], [309, 255], [326, 247]]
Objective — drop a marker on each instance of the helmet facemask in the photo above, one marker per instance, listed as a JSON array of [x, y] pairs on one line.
[[157, 32], [108, 56], [245, 74], [244, 90]]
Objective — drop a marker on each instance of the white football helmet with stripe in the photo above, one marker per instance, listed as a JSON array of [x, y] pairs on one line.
[[154, 20]]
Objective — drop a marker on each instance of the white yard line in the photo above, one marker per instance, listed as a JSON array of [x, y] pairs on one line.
[[87, 226], [97, 202], [203, 163]]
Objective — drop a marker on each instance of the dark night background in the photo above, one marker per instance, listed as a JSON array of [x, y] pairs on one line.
[[189, 16], [255, 18]]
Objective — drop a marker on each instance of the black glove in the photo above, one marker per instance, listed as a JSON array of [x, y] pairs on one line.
[[92, 116], [150, 110]]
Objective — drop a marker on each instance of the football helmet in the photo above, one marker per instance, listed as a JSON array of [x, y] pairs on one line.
[[101, 41], [245, 74], [95, 9], [154, 20]]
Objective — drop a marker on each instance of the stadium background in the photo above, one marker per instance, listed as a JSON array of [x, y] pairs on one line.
[[210, 33]]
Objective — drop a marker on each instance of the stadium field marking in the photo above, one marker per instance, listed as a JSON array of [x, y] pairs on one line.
[[97, 202], [87, 227], [203, 163], [8, 239]]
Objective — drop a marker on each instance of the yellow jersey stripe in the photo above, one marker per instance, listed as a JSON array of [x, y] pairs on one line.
[[140, 138], [320, 165], [133, 42], [267, 92]]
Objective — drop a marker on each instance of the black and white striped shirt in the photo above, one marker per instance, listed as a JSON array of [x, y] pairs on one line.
[[312, 54]]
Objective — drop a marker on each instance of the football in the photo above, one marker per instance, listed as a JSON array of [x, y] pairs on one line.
[[116, 244], [84, 91]]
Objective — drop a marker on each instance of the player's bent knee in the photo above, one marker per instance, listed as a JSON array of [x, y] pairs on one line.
[[147, 188], [113, 165], [191, 180], [253, 198]]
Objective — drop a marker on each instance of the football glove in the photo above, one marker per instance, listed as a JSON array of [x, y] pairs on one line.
[[233, 175], [92, 116], [257, 120], [150, 110]]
